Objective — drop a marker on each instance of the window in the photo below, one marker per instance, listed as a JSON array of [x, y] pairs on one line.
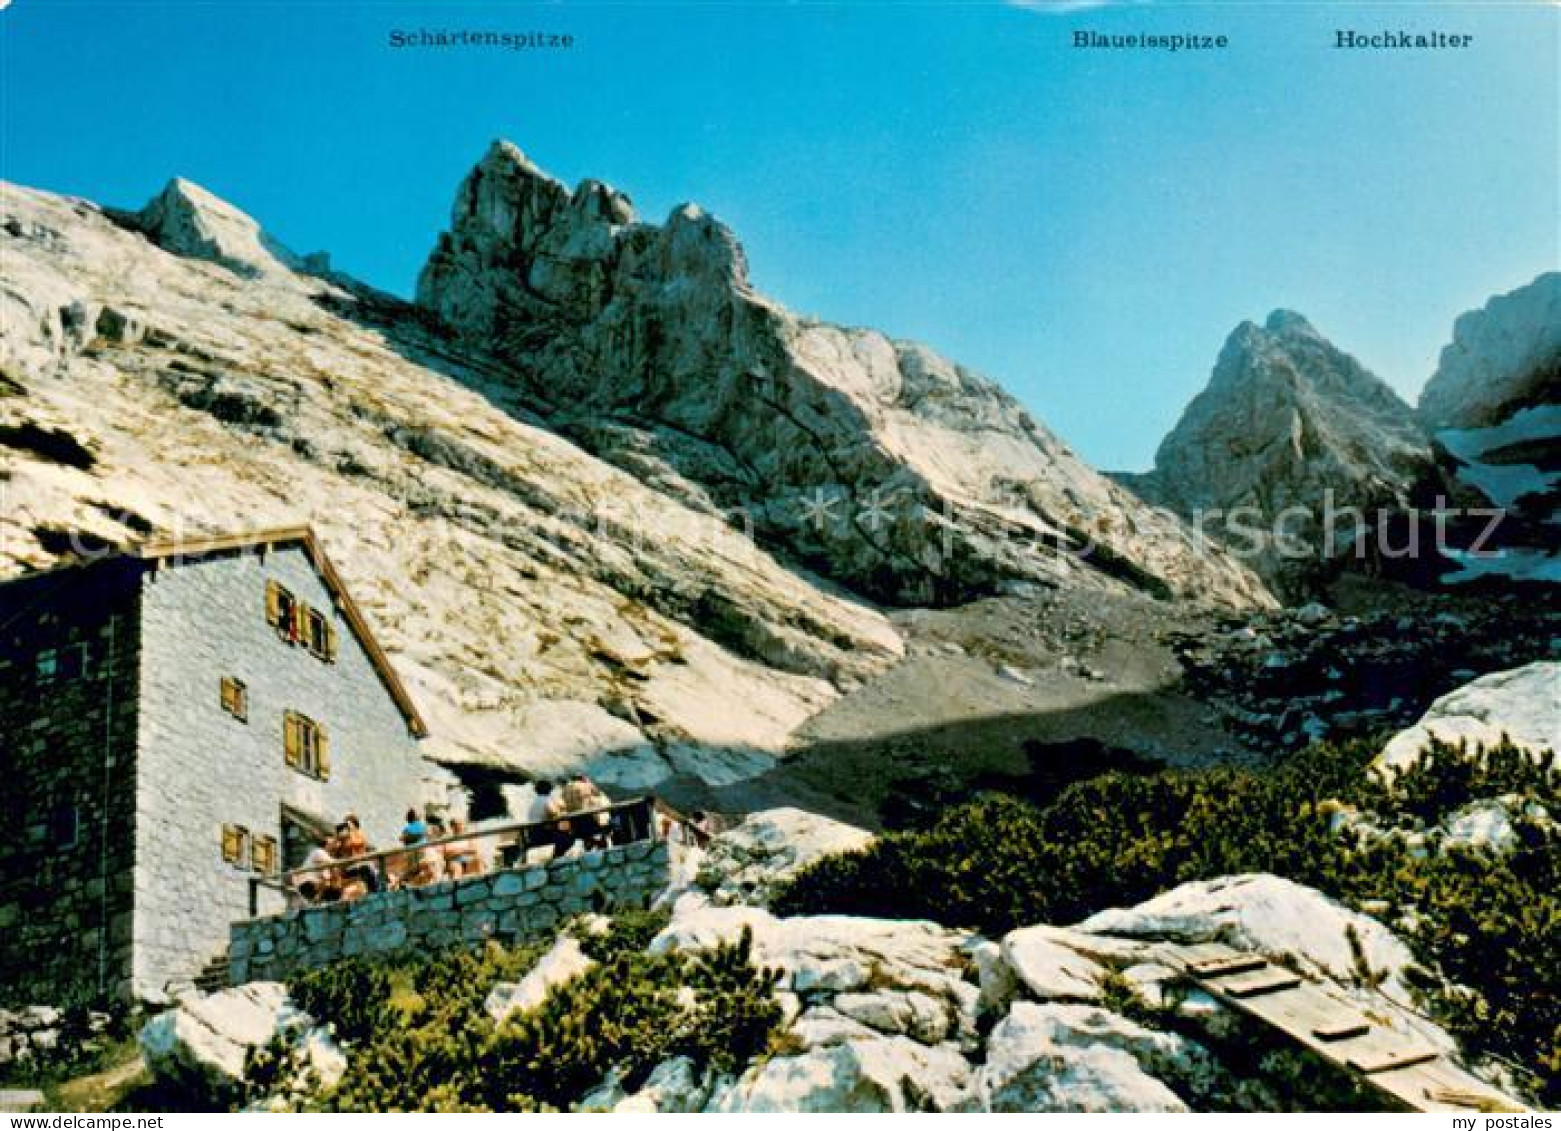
[[48, 665], [320, 635], [281, 609], [236, 845], [306, 746], [263, 855], [298, 623], [235, 698]]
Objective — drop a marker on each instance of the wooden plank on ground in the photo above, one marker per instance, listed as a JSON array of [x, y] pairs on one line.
[[1270, 981], [1224, 967], [1369, 1064], [1341, 1029], [1441, 1086], [1318, 1015]]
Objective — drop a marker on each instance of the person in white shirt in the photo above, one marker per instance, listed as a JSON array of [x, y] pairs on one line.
[[538, 844], [319, 885]]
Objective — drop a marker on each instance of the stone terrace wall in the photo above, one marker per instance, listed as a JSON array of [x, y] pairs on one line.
[[506, 906]]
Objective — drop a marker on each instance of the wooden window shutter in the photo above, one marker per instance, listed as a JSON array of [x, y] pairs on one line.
[[292, 740], [233, 847], [263, 855], [299, 629], [273, 603], [330, 641], [322, 753], [235, 698]]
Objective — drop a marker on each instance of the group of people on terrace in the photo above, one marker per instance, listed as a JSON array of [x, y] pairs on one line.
[[575, 816]]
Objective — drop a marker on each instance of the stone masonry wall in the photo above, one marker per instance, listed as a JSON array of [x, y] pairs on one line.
[[506, 906], [202, 768], [67, 803]]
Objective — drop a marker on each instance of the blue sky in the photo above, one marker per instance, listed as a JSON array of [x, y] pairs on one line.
[[1086, 227]]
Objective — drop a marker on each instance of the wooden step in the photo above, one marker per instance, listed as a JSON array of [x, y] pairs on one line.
[[1369, 1064], [1343, 1029], [1224, 967], [1269, 981], [1474, 1101]]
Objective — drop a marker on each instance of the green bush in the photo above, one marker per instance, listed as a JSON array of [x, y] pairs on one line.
[[628, 932], [1488, 923]]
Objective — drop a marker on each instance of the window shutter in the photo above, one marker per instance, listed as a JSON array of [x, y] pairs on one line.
[[292, 745], [232, 844], [273, 603], [263, 855], [299, 629], [330, 641], [235, 698], [322, 753]]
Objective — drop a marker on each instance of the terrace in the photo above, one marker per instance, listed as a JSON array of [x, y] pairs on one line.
[[526, 890]]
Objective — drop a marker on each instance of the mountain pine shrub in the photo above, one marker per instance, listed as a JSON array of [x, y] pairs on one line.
[[419, 1039], [1489, 922]]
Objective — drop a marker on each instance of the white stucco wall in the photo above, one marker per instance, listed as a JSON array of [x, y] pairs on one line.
[[199, 768]]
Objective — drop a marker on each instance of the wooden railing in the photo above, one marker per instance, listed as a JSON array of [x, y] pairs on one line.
[[624, 822]]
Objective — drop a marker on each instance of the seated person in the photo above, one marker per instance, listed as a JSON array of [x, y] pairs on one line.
[[315, 880], [579, 795], [416, 828], [421, 863], [416, 867], [535, 845], [351, 844], [350, 883], [460, 856]]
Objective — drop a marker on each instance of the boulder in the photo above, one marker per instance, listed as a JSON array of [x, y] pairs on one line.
[[200, 1046], [564, 962], [824, 956], [1049, 970], [675, 1086], [1084, 1059], [910, 1013], [1522, 704], [1488, 825], [672, 1086], [1268, 915], [746, 864], [878, 1074], [821, 1025], [21, 1099], [999, 984]]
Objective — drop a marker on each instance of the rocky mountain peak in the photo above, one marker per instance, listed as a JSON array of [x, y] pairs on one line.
[[1287, 416], [1503, 357], [523, 248], [1288, 323], [1287, 351], [1494, 408]]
